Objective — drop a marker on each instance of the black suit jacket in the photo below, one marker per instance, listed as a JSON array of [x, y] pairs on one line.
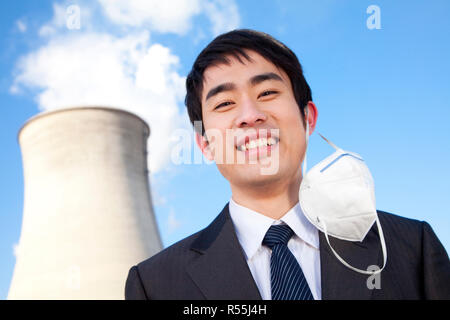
[[211, 264]]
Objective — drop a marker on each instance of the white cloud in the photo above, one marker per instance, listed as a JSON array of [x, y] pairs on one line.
[[21, 25], [87, 67], [163, 16], [172, 222], [67, 18], [223, 14], [15, 248], [172, 16], [157, 198], [58, 21], [101, 69]]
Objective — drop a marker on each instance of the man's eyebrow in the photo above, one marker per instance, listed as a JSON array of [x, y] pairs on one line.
[[228, 86], [264, 77], [255, 80]]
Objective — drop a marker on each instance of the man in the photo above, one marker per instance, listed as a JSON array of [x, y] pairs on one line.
[[251, 85]]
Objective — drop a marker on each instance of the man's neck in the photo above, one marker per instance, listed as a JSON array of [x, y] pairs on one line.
[[273, 201]]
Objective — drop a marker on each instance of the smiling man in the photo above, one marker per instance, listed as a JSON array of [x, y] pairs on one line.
[[255, 106], [254, 98]]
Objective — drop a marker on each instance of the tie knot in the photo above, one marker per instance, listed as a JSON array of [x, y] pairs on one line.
[[278, 234]]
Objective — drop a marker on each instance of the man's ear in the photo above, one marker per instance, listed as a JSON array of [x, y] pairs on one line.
[[312, 116], [203, 144]]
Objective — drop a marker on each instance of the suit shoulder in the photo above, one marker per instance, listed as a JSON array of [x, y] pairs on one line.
[[402, 232], [163, 276], [391, 218], [176, 254]]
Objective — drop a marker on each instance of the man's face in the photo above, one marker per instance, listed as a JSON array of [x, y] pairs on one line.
[[244, 102]]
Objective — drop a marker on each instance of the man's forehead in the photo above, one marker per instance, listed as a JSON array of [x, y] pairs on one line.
[[231, 60], [225, 62]]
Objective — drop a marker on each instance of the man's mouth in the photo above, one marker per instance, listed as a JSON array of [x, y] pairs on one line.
[[258, 143]]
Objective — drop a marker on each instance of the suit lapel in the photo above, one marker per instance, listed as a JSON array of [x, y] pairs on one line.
[[221, 271], [340, 282]]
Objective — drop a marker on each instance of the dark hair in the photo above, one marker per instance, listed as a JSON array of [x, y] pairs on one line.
[[233, 43]]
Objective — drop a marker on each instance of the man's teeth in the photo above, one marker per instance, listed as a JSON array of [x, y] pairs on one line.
[[262, 142]]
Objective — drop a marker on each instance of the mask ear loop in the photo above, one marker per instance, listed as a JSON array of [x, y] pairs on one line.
[[383, 248], [329, 142], [380, 230], [304, 165]]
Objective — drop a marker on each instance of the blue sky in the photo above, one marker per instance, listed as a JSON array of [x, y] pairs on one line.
[[383, 93]]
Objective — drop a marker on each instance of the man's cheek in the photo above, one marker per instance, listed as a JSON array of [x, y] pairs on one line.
[[216, 144], [271, 164]]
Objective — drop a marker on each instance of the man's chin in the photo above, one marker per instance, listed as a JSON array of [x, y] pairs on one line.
[[252, 177]]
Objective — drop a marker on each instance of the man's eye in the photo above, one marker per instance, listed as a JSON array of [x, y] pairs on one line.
[[223, 105], [267, 93]]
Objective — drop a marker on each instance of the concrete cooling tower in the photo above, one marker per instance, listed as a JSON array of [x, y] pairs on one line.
[[87, 214]]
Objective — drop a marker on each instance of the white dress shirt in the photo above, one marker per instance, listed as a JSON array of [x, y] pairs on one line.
[[251, 227]]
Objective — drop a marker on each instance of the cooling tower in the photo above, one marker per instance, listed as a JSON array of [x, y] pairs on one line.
[[87, 214]]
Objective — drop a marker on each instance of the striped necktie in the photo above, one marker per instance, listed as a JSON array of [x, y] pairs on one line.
[[286, 276]]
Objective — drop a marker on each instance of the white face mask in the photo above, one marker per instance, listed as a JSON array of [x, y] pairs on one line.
[[337, 196]]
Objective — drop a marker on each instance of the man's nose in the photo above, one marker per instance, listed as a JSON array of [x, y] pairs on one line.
[[249, 113]]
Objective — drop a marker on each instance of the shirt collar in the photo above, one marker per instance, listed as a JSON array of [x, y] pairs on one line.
[[251, 226]]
